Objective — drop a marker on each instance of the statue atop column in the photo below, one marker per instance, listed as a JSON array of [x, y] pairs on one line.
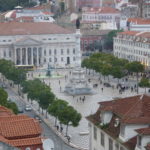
[[49, 69], [78, 23]]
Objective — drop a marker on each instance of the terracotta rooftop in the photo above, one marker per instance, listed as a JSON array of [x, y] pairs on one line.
[[13, 118], [143, 131], [139, 20], [31, 28], [25, 142], [19, 128], [105, 10], [129, 108], [148, 146], [5, 111]]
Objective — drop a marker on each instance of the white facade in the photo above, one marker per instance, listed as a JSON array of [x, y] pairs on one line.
[[59, 49], [100, 140], [133, 46]]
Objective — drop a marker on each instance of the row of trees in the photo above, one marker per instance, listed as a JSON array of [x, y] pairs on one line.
[[39, 91], [107, 64]]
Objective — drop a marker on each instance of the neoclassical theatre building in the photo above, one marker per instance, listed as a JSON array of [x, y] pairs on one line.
[[29, 43]]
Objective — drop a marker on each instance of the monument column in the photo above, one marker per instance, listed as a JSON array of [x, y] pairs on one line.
[[15, 56]]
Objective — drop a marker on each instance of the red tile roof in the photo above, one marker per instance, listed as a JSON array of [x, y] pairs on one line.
[[5, 111], [134, 109], [31, 28], [139, 20], [143, 131], [13, 118], [148, 146], [25, 142], [19, 128], [129, 33]]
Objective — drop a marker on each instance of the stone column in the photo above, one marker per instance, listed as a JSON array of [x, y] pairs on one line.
[[27, 56], [37, 53], [20, 56], [31, 56], [15, 56]]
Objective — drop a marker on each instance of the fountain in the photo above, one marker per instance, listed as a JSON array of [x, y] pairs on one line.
[[49, 73]]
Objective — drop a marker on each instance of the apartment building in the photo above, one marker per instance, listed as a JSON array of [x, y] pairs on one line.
[[133, 46], [121, 124]]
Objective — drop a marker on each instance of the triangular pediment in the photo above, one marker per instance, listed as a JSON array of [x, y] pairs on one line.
[[27, 41]]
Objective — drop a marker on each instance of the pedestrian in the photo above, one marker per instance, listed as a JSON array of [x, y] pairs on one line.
[[61, 129], [60, 88], [68, 138], [102, 89], [57, 127], [80, 99], [84, 97]]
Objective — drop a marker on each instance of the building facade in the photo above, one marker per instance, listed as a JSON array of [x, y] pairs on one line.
[[102, 14], [39, 44], [121, 124], [146, 9], [133, 46]]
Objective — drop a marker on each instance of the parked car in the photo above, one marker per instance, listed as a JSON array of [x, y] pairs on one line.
[[107, 84], [20, 109], [28, 108], [37, 118]]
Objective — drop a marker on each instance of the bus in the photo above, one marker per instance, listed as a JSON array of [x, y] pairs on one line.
[[26, 67]]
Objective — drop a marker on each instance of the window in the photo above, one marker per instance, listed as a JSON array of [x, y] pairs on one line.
[[121, 148], [10, 53], [55, 59], [139, 140], [110, 144], [74, 51], [4, 40], [4, 53], [95, 133], [67, 51], [28, 148], [45, 60], [45, 52], [122, 130], [55, 52], [102, 139], [38, 149], [74, 59], [50, 51], [116, 146], [50, 60], [62, 52], [62, 59]]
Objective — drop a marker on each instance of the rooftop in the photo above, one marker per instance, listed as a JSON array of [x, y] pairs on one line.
[[31, 28]]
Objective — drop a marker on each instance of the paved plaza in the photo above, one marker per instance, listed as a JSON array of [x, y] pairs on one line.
[[79, 135]]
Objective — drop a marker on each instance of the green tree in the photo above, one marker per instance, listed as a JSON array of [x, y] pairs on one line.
[[144, 83], [12, 106], [56, 108], [106, 70], [70, 117], [117, 72], [108, 41], [135, 67], [3, 97]]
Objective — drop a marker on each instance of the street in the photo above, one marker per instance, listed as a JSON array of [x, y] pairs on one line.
[[46, 131]]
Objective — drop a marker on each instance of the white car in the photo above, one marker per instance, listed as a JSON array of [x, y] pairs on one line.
[[28, 108]]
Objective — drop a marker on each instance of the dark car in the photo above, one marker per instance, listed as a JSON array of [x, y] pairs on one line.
[[107, 84]]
